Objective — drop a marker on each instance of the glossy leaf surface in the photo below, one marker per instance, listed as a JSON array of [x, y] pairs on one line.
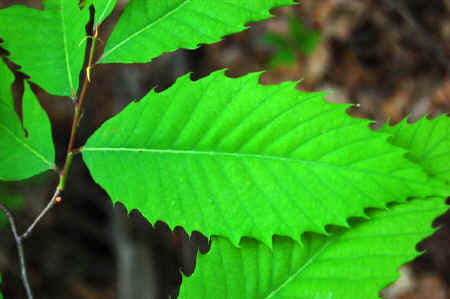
[[353, 263], [428, 143], [23, 156], [232, 157], [47, 44], [148, 28]]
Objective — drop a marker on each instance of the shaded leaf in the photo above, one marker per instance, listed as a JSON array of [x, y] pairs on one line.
[[47, 44], [11, 200], [428, 143], [232, 157], [147, 28], [306, 39], [23, 156], [285, 53], [353, 263]]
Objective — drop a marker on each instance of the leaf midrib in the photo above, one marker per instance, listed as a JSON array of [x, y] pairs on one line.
[[168, 14], [27, 146], [103, 13], [241, 155], [320, 250], [339, 238], [301, 269], [66, 50]]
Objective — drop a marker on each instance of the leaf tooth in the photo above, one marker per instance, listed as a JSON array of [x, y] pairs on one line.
[[244, 83], [191, 114], [233, 235], [266, 236], [373, 188], [295, 232], [362, 252], [339, 218], [223, 18], [321, 134], [263, 135], [192, 192], [220, 171], [296, 237], [231, 134], [370, 200], [266, 239]]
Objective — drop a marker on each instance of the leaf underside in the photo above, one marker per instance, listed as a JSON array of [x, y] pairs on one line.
[[47, 44], [353, 263], [428, 143], [147, 28], [234, 158], [23, 156]]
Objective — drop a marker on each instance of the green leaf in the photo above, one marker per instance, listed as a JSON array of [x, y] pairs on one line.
[[285, 53], [306, 39], [7, 79], [149, 28], [103, 9], [47, 44], [428, 143], [353, 263], [23, 156], [232, 157]]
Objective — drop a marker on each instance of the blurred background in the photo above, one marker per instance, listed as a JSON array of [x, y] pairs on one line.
[[391, 57]]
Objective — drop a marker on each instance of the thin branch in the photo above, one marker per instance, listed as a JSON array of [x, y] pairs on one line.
[[78, 101], [78, 113], [77, 151], [19, 239], [51, 203]]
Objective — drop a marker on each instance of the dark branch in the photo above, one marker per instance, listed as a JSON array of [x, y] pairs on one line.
[[50, 204], [19, 240]]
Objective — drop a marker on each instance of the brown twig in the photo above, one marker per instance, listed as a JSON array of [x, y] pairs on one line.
[[20, 238], [50, 204], [19, 242], [77, 114], [62, 178]]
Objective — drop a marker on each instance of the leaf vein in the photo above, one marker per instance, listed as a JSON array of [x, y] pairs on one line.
[[138, 32]]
